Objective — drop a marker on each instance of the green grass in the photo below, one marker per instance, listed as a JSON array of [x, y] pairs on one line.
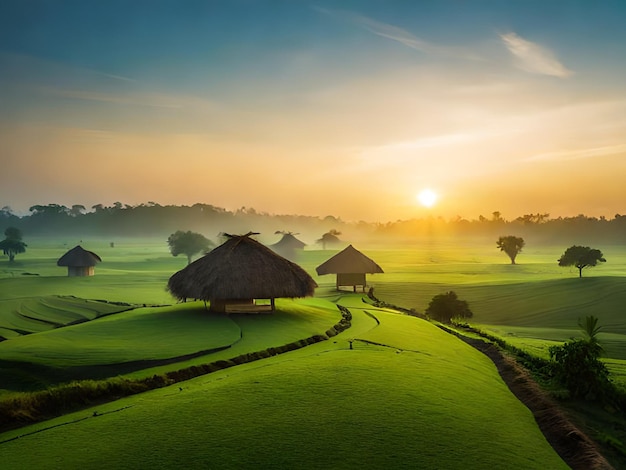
[[532, 305], [134, 271], [407, 394], [143, 334], [536, 294], [426, 400], [28, 315], [149, 337]]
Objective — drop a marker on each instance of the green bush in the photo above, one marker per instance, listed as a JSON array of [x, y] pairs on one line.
[[577, 367], [445, 307]]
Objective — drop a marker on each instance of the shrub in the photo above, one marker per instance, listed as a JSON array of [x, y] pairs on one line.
[[445, 307], [577, 367]]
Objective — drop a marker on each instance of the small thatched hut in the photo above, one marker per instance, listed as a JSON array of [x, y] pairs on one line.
[[237, 273], [79, 261], [288, 246], [351, 266]]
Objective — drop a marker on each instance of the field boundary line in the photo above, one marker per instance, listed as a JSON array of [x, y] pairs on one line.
[[94, 415], [573, 446]]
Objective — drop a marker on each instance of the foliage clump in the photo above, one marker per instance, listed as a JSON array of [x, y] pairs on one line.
[[12, 244], [188, 243], [445, 307], [577, 364], [581, 257], [511, 245]]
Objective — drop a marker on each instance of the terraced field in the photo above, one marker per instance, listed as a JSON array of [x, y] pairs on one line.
[[23, 316], [390, 392]]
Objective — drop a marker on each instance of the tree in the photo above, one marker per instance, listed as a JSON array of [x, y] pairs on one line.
[[12, 244], [577, 366], [188, 243], [76, 210], [581, 257], [6, 212], [445, 307], [511, 245], [13, 233]]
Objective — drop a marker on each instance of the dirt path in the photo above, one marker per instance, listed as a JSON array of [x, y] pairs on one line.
[[574, 447]]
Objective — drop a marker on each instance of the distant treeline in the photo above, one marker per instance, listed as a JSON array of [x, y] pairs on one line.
[[152, 219], [155, 220], [536, 228]]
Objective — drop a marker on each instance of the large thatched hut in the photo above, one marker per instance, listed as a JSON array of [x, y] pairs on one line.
[[79, 262], [237, 274], [288, 246], [351, 266]]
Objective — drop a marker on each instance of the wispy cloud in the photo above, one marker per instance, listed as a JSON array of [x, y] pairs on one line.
[[437, 150], [118, 77], [154, 100], [578, 154], [534, 58], [400, 35]]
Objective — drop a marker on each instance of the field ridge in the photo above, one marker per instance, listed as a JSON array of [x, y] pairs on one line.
[[19, 409], [576, 448]]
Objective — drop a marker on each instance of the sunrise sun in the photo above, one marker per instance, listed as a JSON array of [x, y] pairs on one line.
[[427, 197]]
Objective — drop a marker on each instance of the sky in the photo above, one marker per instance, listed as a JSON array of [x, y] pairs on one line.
[[343, 108]]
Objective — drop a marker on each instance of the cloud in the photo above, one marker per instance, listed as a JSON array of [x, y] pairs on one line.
[[534, 58], [397, 34], [579, 154], [117, 77], [155, 100]]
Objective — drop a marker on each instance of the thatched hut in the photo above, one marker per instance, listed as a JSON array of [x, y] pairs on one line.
[[351, 266], [79, 262], [238, 273], [288, 246], [330, 238]]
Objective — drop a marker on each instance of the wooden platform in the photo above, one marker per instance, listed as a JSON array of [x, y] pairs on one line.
[[249, 308]]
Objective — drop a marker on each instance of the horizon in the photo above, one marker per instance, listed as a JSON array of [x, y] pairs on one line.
[[342, 108], [486, 216]]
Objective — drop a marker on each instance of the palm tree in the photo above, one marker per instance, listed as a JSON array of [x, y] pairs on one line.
[[590, 329]]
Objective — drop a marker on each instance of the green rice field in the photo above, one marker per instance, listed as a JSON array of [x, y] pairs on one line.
[[411, 400], [391, 391]]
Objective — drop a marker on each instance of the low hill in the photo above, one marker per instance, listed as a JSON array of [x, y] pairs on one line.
[[390, 392]]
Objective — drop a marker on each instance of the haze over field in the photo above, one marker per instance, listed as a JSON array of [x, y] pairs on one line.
[[348, 108]]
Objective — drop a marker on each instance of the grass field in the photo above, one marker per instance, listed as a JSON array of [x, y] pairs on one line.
[[399, 397], [533, 304], [422, 399]]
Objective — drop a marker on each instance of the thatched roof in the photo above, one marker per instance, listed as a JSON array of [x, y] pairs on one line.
[[241, 268], [348, 261], [289, 242], [79, 257]]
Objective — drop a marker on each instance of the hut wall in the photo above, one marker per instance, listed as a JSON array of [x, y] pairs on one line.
[[73, 271], [351, 279]]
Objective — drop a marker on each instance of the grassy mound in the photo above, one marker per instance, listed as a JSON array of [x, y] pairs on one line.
[[536, 314], [146, 341], [408, 395], [22, 316]]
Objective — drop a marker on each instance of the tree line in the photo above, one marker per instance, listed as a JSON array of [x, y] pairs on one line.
[[149, 219], [152, 219]]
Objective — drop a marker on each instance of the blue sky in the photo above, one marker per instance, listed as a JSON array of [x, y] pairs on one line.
[[515, 106]]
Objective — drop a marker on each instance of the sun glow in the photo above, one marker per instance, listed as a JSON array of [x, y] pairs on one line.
[[427, 197]]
